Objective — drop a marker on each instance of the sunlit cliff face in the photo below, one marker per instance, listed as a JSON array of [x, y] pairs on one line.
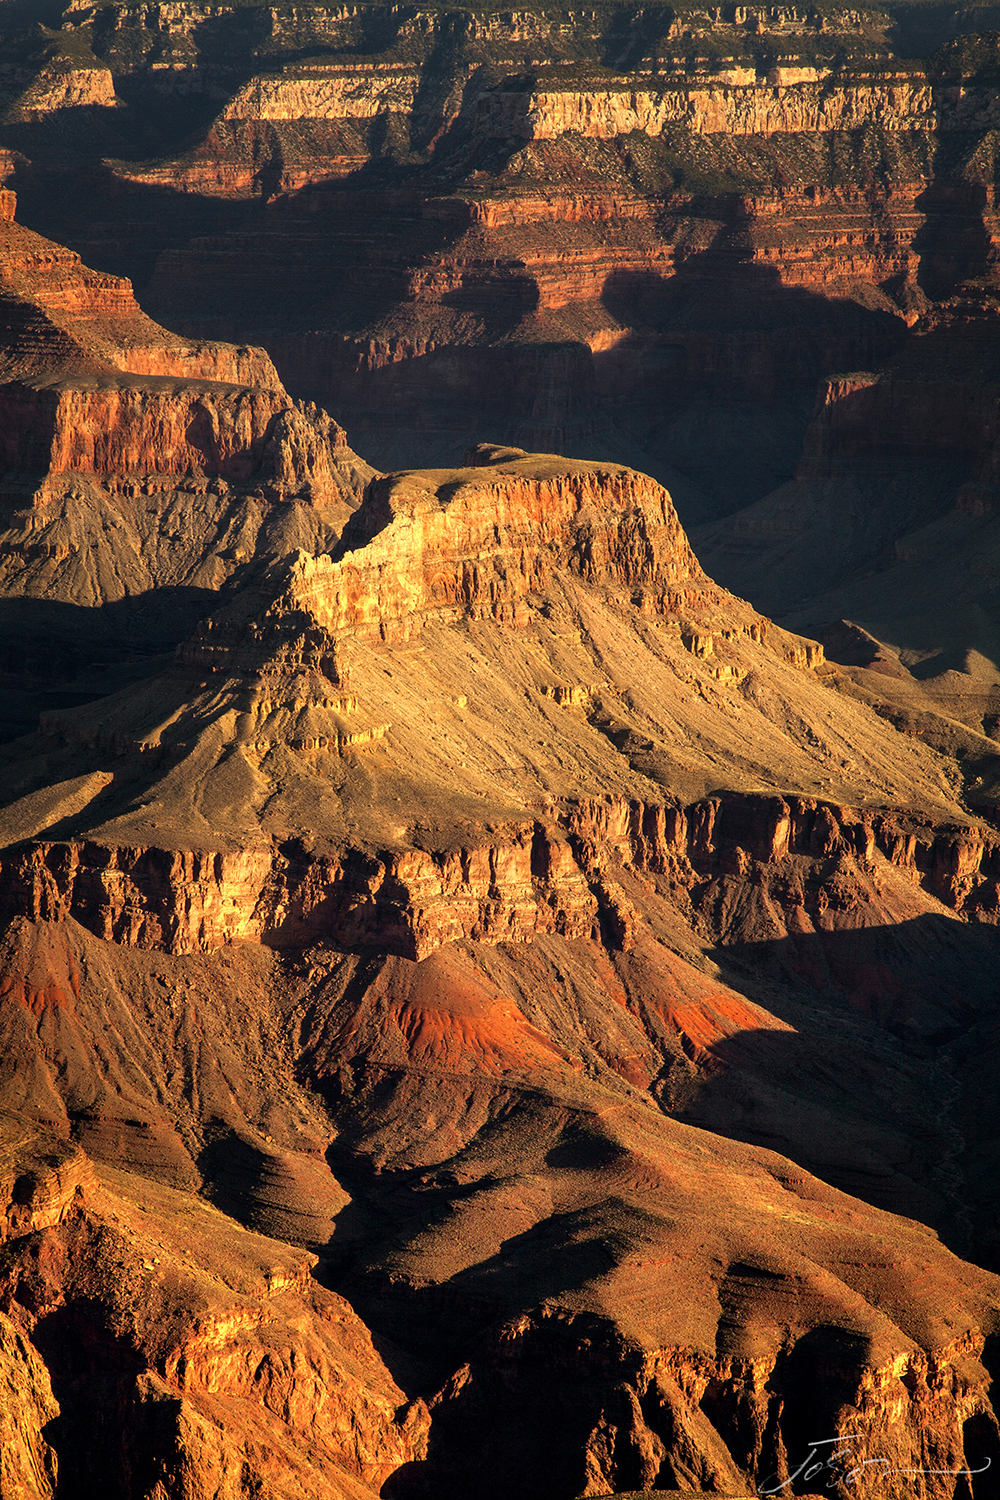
[[485, 1010]]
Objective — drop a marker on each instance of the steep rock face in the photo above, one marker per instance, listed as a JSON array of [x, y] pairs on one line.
[[476, 542], [45, 1179], [308, 667], [55, 89], [72, 334], [136, 462], [201, 408], [740, 106], [153, 1329], [761, 201], [61, 314], [454, 904], [354, 94], [27, 1466], [542, 877], [137, 427]]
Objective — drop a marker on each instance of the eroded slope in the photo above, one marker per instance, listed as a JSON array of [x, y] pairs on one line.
[[141, 472], [428, 910]]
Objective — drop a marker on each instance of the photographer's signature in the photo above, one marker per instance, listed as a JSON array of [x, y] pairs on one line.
[[843, 1467]]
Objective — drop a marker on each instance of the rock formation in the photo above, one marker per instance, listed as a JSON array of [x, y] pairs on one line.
[[472, 904], [137, 467], [484, 1008], [647, 220], [142, 1330]]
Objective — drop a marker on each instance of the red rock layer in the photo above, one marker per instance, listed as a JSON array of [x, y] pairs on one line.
[[137, 426], [63, 317], [103, 390], [109, 420], [574, 293]]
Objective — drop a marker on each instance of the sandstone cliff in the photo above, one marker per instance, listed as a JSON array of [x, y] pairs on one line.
[[595, 983], [498, 908], [136, 463]]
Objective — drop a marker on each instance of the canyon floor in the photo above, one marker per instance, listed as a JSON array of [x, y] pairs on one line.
[[500, 903]]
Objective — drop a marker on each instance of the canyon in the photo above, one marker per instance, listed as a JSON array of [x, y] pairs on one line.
[[296, 1021], [498, 928]]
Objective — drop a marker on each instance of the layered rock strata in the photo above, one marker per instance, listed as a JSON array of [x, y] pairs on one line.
[[690, 147], [543, 876], [661, 232], [135, 462], [431, 557], [782, 103], [95, 387], [428, 911], [140, 1329], [484, 898]]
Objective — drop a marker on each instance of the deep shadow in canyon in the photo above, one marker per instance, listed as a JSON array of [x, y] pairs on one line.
[[895, 1033]]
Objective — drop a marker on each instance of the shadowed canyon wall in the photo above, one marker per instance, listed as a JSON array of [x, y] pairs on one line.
[[485, 1009], [635, 234]]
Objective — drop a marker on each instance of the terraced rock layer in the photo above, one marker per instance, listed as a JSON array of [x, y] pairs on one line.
[[485, 934], [473, 905], [658, 232], [141, 472]]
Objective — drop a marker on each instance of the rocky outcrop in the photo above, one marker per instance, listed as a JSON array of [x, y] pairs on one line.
[[488, 546], [155, 1331], [327, 94], [781, 103], [105, 391], [137, 467], [57, 88], [150, 425], [62, 317], [486, 537], [28, 1466], [541, 877], [306, 457], [466, 544], [45, 1180], [936, 400], [486, 854], [676, 1416]]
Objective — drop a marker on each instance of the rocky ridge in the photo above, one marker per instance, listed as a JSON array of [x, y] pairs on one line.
[[597, 983], [193, 1323], [463, 1003], [136, 463], [306, 667]]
